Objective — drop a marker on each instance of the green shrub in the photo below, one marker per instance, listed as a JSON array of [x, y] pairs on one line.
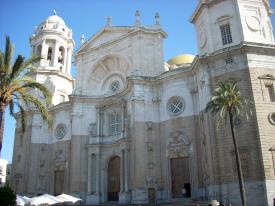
[[7, 196]]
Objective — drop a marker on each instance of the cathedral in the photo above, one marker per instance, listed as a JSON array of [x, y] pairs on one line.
[[132, 128]]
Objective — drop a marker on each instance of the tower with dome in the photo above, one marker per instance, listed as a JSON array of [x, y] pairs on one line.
[[132, 128], [52, 41]]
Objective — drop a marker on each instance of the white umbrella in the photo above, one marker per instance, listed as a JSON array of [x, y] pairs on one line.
[[20, 201], [68, 198], [45, 199]]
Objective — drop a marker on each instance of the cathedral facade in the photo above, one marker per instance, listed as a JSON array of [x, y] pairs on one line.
[[132, 128]]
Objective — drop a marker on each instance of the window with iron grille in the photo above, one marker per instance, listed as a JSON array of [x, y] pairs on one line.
[[229, 60], [115, 124], [226, 34]]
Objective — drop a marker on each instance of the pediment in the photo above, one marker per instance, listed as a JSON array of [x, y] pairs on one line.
[[105, 36]]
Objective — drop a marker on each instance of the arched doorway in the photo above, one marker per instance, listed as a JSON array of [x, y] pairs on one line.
[[114, 179]]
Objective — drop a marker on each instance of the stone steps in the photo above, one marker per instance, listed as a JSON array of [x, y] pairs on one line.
[[191, 203]]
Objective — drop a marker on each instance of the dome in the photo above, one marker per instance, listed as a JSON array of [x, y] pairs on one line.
[[181, 59], [55, 19]]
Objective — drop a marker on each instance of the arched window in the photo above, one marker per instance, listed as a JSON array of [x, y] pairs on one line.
[[61, 52], [38, 50], [49, 56]]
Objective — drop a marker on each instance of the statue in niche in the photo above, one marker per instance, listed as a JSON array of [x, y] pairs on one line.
[[151, 181], [92, 129], [59, 156]]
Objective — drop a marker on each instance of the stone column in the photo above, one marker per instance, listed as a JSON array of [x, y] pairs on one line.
[[97, 121], [55, 53], [68, 61], [89, 173], [123, 129], [126, 170], [101, 120], [122, 171], [44, 52], [97, 189], [65, 56]]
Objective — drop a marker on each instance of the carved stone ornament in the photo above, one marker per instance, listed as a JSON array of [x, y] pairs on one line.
[[177, 145], [253, 23], [151, 181], [149, 125], [151, 165], [202, 38], [150, 146], [59, 156], [92, 129]]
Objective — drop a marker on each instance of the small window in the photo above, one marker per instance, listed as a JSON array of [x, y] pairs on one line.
[[1, 169], [38, 50], [62, 98], [49, 56], [61, 52], [115, 86], [271, 118], [226, 34], [271, 93], [229, 60], [115, 124]]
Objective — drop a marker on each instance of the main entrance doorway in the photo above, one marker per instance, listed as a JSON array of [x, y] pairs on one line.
[[59, 182], [114, 179], [180, 175]]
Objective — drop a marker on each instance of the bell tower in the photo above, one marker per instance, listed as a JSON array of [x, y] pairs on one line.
[[52, 41], [226, 23]]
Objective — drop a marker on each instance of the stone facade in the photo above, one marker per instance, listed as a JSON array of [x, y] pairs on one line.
[[134, 130]]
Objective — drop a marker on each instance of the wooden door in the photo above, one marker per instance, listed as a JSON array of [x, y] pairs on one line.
[[180, 177], [151, 195], [114, 179], [59, 182]]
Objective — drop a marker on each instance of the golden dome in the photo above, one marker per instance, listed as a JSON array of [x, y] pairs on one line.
[[181, 59]]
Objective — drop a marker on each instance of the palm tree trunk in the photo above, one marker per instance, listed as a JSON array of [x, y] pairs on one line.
[[2, 120], [238, 161]]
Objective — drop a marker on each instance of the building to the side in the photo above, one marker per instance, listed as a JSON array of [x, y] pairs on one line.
[[132, 128], [3, 172]]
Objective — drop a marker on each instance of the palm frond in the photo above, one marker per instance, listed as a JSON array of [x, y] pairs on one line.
[[23, 117], [26, 66], [31, 84], [227, 97], [11, 107], [29, 99], [8, 55], [2, 65], [16, 66]]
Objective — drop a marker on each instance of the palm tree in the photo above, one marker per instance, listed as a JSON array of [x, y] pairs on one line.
[[228, 100], [15, 86]]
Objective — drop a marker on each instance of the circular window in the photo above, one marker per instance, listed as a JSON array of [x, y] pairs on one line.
[[271, 118], [115, 86], [175, 105], [60, 131]]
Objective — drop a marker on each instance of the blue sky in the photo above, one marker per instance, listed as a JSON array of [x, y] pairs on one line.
[[18, 19]]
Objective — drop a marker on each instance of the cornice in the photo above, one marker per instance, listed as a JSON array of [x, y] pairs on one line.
[[132, 31], [202, 4], [53, 72], [60, 106]]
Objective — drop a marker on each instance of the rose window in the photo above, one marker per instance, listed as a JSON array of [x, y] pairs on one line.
[[175, 105], [60, 131]]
